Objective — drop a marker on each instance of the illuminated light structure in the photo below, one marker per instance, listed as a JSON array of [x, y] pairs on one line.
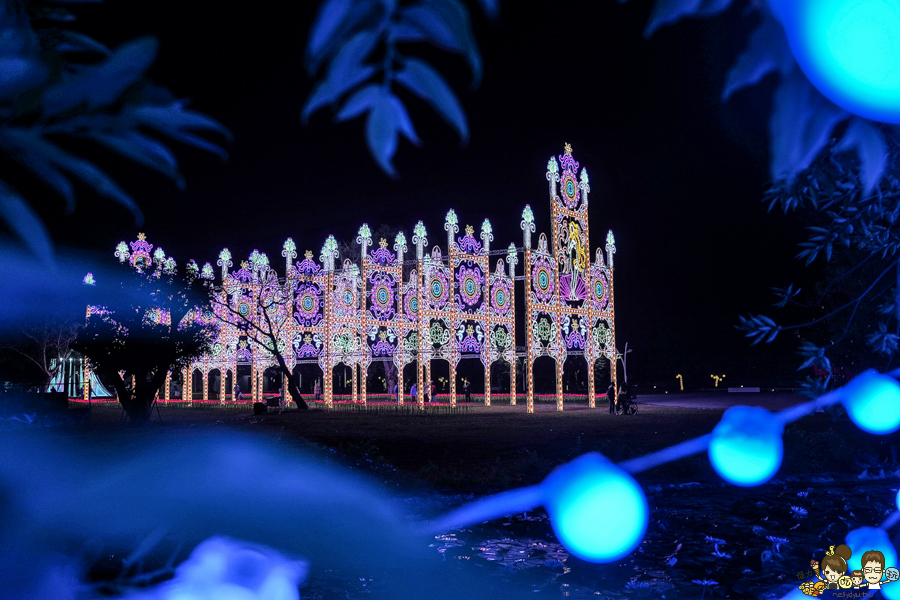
[[569, 308], [453, 304]]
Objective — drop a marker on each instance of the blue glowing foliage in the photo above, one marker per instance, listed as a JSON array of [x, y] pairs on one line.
[[849, 50], [746, 447], [226, 569], [61, 84], [358, 40], [873, 402], [807, 112], [597, 510]]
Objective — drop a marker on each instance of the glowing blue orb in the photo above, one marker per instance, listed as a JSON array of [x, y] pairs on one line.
[[746, 447], [864, 539], [873, 402], [849, 50], [598, 511], [898, 500]]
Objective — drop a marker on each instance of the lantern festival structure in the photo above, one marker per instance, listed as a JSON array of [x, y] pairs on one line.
[[452, 304]]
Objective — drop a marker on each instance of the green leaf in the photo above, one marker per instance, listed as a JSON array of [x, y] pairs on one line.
[[421, 79]]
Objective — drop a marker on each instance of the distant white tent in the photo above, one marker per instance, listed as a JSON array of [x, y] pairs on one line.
[[98, 390]]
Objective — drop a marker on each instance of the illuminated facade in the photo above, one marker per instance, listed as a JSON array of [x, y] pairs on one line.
[[451, 305]]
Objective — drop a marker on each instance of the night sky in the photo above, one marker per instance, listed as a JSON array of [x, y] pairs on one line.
[[675, 173]]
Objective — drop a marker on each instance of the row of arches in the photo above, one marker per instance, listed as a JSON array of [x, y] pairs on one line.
[[211, 385]]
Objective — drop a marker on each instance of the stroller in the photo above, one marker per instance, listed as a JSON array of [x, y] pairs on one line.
[[626, 404]]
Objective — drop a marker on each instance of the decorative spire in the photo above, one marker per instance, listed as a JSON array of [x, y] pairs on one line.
[[364, 238], [224, 262], [329, 253], [585, 187], [487, 235], [527, 225], [512, 259], [610, 248], [289, 253], [419, 239], [142, 237], [383, 244], [568, 148], [451, 226], [400, 246], [122, 252]]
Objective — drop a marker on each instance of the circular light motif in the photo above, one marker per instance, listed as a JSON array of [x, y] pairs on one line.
[[600, 297], [382, 297], [570, 189], [307, 304], [501, 297], [746, 447], [543, 280], [873, 402], [244, 308], [348, 298], [471, 285], [579, 497], [439, 290]]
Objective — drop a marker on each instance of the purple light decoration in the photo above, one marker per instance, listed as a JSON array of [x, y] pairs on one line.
[[542, 279], [307, 266], [383, 348], [469, 244], [382, 256], [600, 291], [307, 304], [470, 287], [309, 347], [411, 304], [565, 287], [382, 295], [468, 343], [500, 297], [439, 291]]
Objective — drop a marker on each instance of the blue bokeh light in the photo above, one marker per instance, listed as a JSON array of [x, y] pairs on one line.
[[598, 511], [746, 447], [849, 50], [873, 402]]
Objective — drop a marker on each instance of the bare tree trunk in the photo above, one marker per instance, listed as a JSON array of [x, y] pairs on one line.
[[292, 387]]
